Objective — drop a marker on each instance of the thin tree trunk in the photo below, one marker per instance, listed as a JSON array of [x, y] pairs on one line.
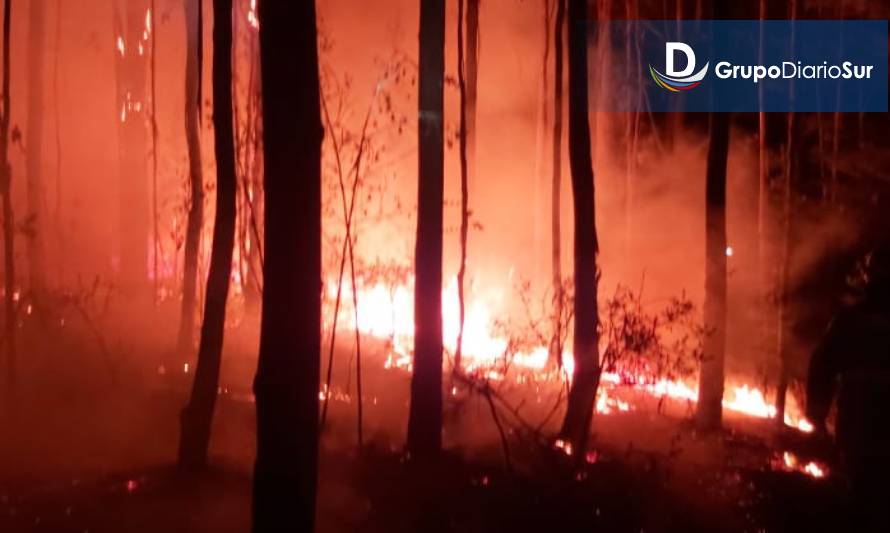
[[34, 155], [791, 169], [425, 416], [782, 323], [836, 126], [286, 384], [254, 194], [348, 202], [579, 411], [556, 185], [633, 127], [762, 203], [472, 82], [761, 160], [468, 80], [193, 16], [8, 217], [462, 59], [198, 414]]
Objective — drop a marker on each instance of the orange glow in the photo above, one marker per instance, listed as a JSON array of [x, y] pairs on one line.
[[252, 18], [791, 463], [387, 313]]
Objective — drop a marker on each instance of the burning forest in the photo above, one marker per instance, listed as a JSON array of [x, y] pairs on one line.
[[472, 265]]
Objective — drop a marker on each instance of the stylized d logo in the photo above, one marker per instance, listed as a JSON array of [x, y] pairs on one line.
[[670, 50]]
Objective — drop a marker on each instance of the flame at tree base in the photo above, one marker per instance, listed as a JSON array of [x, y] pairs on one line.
[[387, 313]]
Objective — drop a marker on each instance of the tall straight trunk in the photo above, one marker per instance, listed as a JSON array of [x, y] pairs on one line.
[[836, 125], [783, 342], [133, 234], [425, 416], [198, 414], [8, 217], [792, 167], [764, 284], [556, 184], [710, 394], [579, 411], [466, 77], [464, 185], [34, 141], [762, 159], [287, 380], [472, 64], [193, 21], [709, 410], [632, 54], [676, 117]]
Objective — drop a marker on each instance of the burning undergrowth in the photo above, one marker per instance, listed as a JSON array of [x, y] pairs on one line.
[[511, 376]]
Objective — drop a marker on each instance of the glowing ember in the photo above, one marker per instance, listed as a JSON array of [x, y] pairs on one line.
[[566, 447], [791, 463], [814, 470], [252, 17]]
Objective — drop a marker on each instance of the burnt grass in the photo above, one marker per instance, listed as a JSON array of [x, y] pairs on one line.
[[82, 452], [611, 495], [384, 490]]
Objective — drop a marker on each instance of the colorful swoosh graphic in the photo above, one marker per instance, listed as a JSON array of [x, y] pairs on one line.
[[678, 84]]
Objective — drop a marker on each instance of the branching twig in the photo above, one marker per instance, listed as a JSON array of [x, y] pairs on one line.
[[348, 212]]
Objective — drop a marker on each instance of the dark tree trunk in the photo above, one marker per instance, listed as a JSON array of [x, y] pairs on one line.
[[198, 414], [579, 411], [472, 56], [8, 217], [34, 156], [783, 320], [710, 393], [133, 148], [556, 184], [462, 61], [193, 19], [792, 168], [425, 416], [709, 410], [287, 380], [468, 80]]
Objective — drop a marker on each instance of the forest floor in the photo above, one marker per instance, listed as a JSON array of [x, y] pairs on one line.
[[87, 455]]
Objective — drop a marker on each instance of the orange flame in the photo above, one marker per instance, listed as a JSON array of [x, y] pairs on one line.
[[387, 312]]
